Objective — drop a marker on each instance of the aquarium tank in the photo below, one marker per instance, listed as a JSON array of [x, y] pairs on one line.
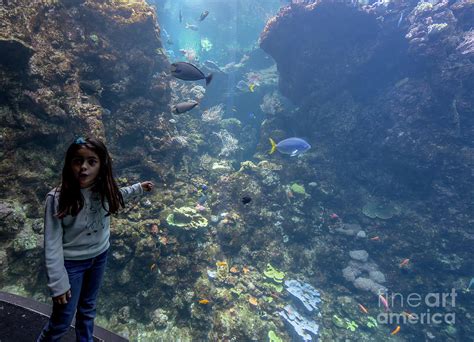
[[237, 170]]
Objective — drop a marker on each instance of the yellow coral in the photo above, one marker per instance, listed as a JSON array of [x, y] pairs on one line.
[[222, 270]]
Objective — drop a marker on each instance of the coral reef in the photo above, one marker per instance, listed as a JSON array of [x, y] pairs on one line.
[[375, 209], [305, 293], [381, 89], [305, 330], [364, 275], [186, 218], [213, 114], [229, 143]]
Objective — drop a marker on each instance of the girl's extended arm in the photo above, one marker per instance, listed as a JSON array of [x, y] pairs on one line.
[[58, 280], [135, 189]]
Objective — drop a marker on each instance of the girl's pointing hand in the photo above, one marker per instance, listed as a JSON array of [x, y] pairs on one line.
[[147, 185]]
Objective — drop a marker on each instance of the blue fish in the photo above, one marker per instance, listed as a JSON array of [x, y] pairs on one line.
[[202, 199], [291, 146]]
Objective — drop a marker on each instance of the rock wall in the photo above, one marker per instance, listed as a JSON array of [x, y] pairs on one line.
[[70, 68], [386, 89]]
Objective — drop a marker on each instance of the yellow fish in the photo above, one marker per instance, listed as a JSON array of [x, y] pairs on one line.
[[204, 301], [252, 87]]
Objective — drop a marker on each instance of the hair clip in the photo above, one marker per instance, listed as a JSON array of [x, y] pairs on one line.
[[80, 141]]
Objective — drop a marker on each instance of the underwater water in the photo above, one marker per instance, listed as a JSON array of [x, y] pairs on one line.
[[318, 186]]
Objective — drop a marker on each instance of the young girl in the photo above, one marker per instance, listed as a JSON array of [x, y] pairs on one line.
[[76, 235]]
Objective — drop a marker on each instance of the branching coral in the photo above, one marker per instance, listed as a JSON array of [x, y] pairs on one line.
[[213, 114], [229, 143]]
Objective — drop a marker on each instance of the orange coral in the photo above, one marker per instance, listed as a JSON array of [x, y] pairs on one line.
[[253, 301]]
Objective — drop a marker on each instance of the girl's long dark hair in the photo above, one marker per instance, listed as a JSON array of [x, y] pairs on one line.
[[71, 200]]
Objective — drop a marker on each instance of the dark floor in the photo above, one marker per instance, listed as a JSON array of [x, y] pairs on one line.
[[21, 320]]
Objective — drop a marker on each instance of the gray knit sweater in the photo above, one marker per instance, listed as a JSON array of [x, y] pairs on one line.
[[79, 237]]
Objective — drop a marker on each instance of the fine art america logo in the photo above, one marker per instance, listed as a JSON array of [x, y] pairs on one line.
[[430, 308]]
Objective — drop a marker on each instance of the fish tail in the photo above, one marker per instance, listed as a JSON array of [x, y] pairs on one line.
[[208, 79], [273, 146]]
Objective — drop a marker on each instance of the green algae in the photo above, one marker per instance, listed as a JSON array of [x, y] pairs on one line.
[[273, 337], [273, 274], [277, 287], [298, 189], [371, 322]]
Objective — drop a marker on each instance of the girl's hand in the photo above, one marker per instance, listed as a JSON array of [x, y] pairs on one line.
[[62, 299], [147, 186]]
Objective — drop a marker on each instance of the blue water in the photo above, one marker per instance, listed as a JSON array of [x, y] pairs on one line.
[[232, 27]]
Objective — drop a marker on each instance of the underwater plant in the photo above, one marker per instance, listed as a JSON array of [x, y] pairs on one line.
[[372, 322], [351, 325], [274, 274], [338, 321], [277, 287], [273, 337], [298, 189]]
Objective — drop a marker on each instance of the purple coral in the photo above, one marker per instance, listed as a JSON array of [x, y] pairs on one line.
[[305, 329]]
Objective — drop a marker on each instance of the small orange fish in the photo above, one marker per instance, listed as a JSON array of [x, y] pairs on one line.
[[395, 331], [363, 309], [152, 267], [375, 238], [221, 263], [204, 301], [404, 262], [234, 269], [245, 269]]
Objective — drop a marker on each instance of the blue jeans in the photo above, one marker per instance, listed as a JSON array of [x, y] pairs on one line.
[[85, 277]]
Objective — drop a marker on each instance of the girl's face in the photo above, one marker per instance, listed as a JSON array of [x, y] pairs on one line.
[[85, 167]]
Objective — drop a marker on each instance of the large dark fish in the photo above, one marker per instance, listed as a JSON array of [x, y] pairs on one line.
[[203, 15], [183, 107], [188, 72]]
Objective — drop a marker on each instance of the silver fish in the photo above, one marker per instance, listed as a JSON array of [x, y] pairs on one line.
[[191, 27]]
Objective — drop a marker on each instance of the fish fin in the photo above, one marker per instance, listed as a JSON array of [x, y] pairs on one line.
[[208, 79], [273, 146], [294, 153]]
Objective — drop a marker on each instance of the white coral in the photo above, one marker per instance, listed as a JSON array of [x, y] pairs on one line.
[[229, 143], [213, 114]]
